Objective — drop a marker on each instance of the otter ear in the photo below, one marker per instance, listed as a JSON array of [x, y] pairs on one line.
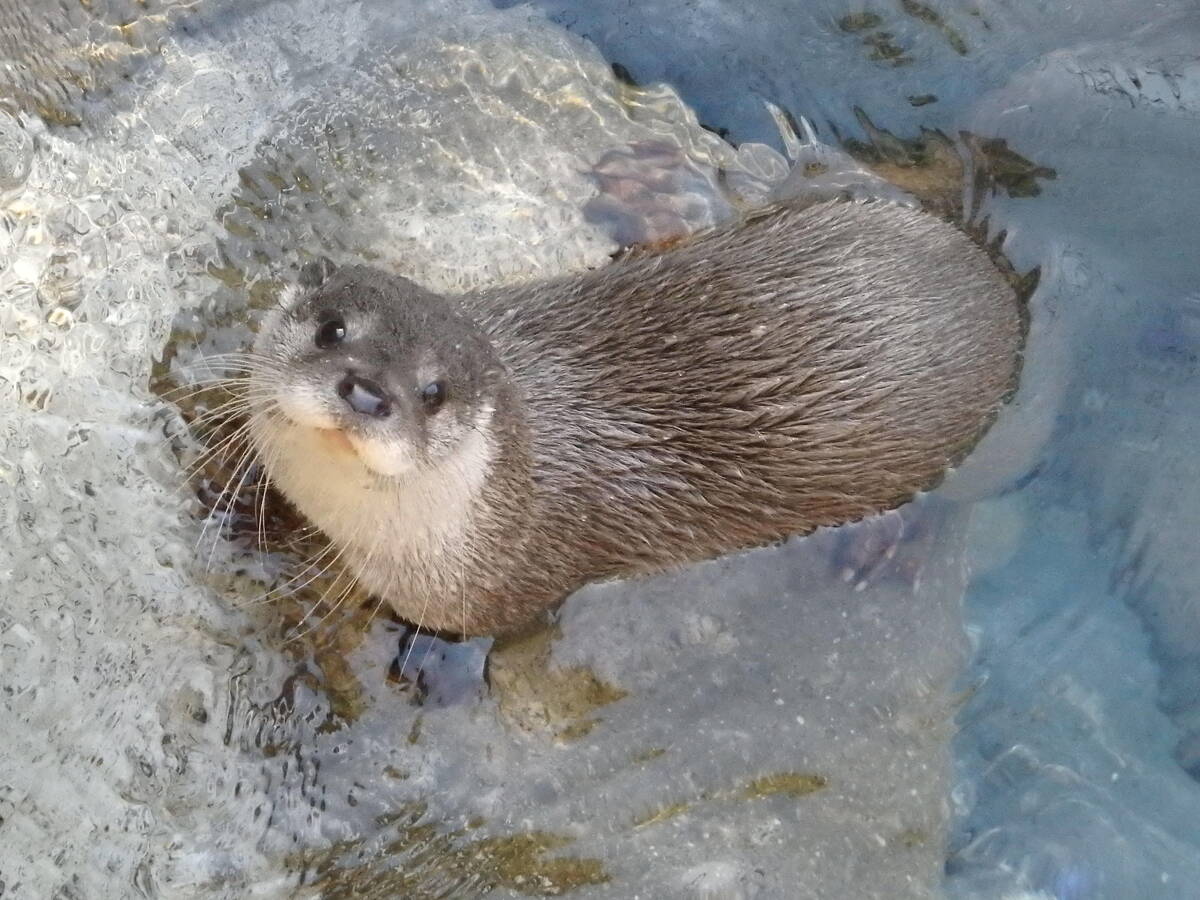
[[316, 273]]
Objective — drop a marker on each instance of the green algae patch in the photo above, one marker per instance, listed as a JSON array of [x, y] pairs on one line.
[[661, 814], [422, 862], [577, 730], [519, 863], [645, 756], [885, 49], [927, 165], [790, 784], [882, 46], [1007, 169], [933, 167], [932, 17], [860, 21], [347, 699], [414, 733], [537, 697], [911, 838]]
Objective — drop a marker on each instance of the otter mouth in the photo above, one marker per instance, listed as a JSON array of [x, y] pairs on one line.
[[336, 440], [322, 435], [378, 456]]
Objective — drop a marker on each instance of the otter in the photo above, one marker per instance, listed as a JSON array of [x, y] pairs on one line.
[[475, 459]]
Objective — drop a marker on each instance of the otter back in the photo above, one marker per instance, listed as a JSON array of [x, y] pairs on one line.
[[805, 368]]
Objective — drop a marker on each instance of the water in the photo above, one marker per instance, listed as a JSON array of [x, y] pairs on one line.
[[813, 720]]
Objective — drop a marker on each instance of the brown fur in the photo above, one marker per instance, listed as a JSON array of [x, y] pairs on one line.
[[805, 368]]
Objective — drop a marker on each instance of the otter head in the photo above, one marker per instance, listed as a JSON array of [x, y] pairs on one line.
[[361, 363]]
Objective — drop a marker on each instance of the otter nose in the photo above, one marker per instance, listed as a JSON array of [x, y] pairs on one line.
[[364, 396]]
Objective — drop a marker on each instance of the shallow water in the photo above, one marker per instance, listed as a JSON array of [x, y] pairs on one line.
[[815, 720]]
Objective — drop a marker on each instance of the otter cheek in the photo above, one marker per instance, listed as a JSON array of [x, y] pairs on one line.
[[446, 431]]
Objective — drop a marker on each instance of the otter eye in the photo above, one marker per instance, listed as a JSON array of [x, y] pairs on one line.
[[433, 395], [331, 331]]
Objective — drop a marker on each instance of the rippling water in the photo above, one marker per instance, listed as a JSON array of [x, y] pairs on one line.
[[815, 720]]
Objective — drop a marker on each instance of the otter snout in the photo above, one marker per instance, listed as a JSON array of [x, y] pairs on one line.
[[364, 396]]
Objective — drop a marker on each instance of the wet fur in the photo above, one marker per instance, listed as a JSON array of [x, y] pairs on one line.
[[803, 368]]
